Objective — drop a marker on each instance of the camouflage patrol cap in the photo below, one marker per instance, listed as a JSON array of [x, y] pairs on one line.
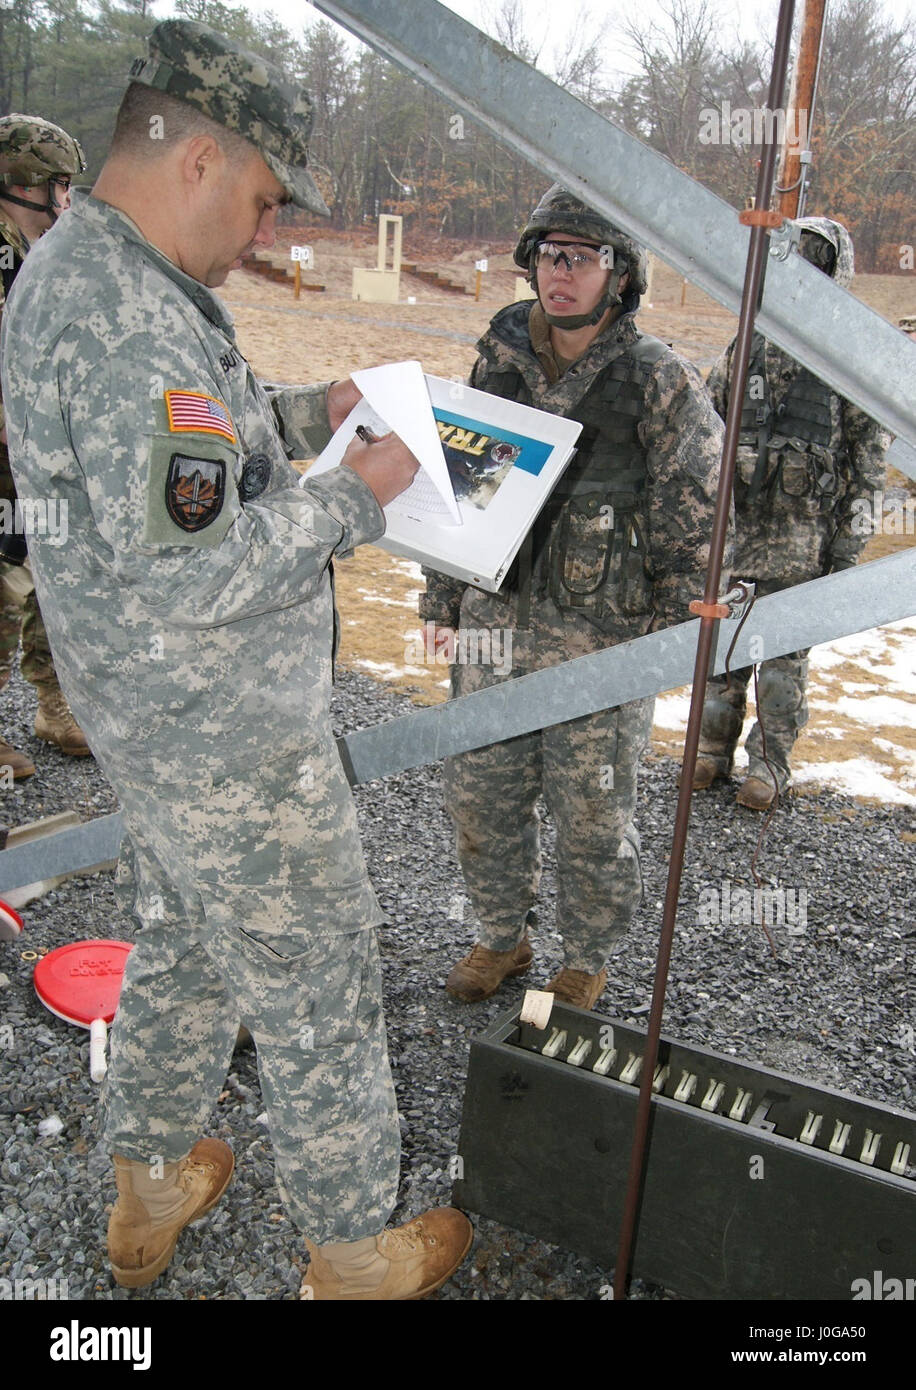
[[837, 236], [239, 90], [561, 211], [33, 150]]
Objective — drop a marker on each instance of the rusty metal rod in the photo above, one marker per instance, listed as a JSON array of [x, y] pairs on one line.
[[753, 289], [793, 175]]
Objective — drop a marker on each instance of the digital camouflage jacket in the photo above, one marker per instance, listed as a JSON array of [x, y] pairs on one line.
[[624, 541], [13, 249], [190, 604]]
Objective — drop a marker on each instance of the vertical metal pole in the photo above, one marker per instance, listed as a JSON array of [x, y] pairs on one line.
[[298, 285], [793, 174], [758, 219]]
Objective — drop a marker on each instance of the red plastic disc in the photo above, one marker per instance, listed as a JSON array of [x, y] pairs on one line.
[[11, 923], [82, 981]]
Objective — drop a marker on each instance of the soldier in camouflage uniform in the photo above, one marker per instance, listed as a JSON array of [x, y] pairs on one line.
[[37, 162], [619, 551], [192, 614], [805, 455]]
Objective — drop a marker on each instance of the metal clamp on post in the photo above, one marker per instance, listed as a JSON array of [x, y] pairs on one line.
[[784, 239], [760, 217], [734, 604], [739, 599]]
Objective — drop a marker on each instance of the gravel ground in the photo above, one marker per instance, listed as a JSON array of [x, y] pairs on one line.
[[836, 1006]]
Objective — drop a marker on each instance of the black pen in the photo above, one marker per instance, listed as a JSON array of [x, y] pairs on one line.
[[366, 435]]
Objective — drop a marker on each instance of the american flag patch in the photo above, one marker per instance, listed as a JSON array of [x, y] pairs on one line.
[[199, 414]]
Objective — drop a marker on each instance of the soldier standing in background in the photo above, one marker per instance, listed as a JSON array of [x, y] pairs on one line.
[[37, 162], [192, 613], [620, 550], [805, 456]]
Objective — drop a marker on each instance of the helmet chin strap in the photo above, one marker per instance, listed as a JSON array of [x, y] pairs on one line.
[[574, 321], [52, 208]]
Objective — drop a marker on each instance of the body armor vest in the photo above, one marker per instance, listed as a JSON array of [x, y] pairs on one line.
[[590, 539], [803, 413], [803, 418]]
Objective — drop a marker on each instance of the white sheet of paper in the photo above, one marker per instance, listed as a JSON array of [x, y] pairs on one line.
[[397, 392]]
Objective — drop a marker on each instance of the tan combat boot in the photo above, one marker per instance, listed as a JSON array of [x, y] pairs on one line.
[[578, 987], [19, 763], [705, 773], [482, 972], [756, 794], [151, 1212], [55, 723], [404, 1263]]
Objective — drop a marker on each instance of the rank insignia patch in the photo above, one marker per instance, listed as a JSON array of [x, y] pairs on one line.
[[193, 412], [195, 490], [255, 477]]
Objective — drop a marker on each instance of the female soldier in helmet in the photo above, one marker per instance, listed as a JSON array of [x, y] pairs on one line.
[[619, 550]]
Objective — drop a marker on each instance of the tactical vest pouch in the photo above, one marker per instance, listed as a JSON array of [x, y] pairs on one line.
[[745, 464], [635, 585], [795, 473], [583, 544], [808, 471], [593, 565]]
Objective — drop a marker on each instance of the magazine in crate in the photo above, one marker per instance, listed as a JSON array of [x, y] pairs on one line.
[[488, 466]]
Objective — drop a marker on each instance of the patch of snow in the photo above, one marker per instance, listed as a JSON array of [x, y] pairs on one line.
[[387, 670], [859, 777], [878, 711], [370, 597]]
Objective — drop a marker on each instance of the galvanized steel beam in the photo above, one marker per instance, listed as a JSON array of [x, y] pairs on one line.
[[857, 352], [820, 611], [836, 606]]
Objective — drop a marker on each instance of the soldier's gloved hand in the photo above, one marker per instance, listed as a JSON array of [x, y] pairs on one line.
[[386, 466]]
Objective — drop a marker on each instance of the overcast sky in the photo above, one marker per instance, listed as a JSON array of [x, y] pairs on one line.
[[752, 19]]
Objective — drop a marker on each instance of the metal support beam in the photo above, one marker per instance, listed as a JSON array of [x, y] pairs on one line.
[[836, 606], [821, 611], [848, 345]]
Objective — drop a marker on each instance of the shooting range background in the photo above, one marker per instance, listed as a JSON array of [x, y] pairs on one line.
[[836, 1004]]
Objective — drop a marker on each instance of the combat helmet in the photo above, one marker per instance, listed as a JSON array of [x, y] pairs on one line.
[[839, 266], [35, 151], [561, 211]]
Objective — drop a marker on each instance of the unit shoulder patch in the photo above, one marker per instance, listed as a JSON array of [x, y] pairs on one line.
[[190, 496], [195, 490]]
